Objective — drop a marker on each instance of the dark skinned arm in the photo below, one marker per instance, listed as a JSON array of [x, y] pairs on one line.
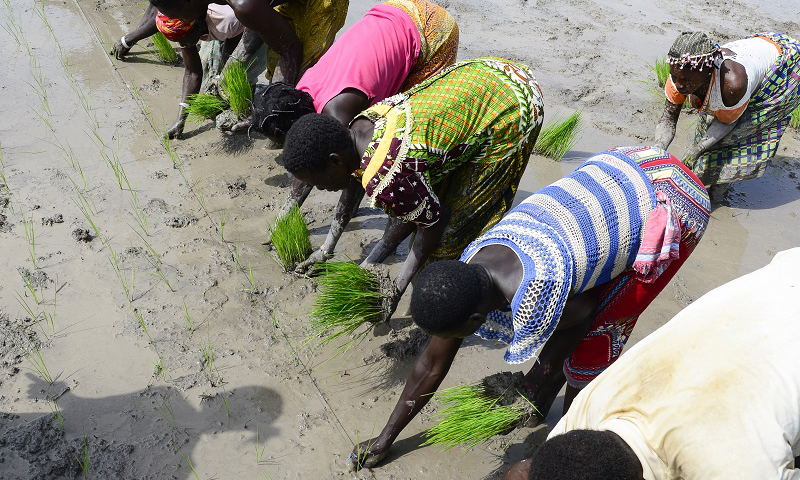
[[192, 77], [274, 30], [427, 374], [146, 28], [665, 130]]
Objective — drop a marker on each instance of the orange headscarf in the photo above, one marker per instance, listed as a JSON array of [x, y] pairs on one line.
[[172, 28]]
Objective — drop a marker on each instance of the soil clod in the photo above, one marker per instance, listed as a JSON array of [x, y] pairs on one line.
[[82, 235]]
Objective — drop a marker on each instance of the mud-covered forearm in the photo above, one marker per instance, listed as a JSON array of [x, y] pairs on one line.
[[249, 44], [350, 198], [297, 195], [396, 231], [715, 132], [146, 27], [665, 129]]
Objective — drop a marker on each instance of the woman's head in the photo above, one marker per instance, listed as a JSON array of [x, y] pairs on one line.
[[277, 106], [691, 59], [585, 454], [320, 152], [446, 298]]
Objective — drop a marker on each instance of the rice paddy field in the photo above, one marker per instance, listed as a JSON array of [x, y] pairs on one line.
[[145, 332]]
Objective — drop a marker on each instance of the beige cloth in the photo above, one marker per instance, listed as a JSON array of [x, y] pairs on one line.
[[715, 393], [222, 23]]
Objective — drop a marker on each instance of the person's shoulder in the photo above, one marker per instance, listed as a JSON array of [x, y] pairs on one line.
[[733, 82]]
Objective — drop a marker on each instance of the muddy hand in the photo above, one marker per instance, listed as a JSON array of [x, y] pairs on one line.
[[176, 130], [367, 454], [119, 50], [307, 265], [241, 126]]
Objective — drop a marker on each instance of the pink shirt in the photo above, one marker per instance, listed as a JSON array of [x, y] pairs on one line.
[[374, 56]]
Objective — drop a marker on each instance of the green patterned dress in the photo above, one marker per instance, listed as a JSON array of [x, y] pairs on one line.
[[460, 139]]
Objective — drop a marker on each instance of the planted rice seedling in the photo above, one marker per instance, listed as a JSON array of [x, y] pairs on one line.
[[30, 236], [660, 68], [188, 318], [164, 48], [83, 458], [557, 138], [289, 236], [794, 121], [349, 297], [204, 106], [472, 416], [237, 87]]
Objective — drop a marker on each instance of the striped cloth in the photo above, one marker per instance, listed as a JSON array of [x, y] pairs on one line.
[[572, 235]]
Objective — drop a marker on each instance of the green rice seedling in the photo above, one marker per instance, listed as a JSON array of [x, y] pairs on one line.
[[237, 87], [50, 318], [660, 68], [289, 236], [30, 236], [154, 259], [208, 354], [120, 269], [140, 319], [259, 451], [86, 210], [188, 462], [26, 278], [222, 226], [794, 121], [33, 315], [203, 106], [253, 290], [138, 213], [33, 355], [557, 138], [472, 417], [83, 458], [188, 318], [159, 368], [57, 412], [349, 297], [164, 48]]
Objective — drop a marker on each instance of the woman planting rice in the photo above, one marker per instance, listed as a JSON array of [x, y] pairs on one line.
[[395, 46], [748, 90], [200, 66], [577, 262], [445, 157]]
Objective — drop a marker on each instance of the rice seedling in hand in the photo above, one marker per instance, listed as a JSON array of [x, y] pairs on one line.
[[660, 69], [289, 235], [237, 87], [204, 106], [476, 413], [794, 121], [558, 138], [349, 297], [164, 49]]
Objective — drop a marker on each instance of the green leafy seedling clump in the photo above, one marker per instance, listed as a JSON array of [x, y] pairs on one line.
[[660, 69], [794, 121], [290, 238], [558, 138], [349, 297], [473, 416], [164, 49], [203, 106], [237, 87]]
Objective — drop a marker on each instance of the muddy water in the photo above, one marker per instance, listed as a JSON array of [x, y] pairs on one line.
[[268, 405]]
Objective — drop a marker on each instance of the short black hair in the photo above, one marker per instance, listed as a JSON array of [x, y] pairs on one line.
[[584, 455], [311, 140], [445, 294], [277, 106]]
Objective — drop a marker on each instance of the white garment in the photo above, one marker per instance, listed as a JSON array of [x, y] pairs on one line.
[[714, 393], [222, 23], [757, 56]]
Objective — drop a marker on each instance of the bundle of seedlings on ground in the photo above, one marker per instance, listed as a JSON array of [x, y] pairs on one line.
[[476, 413], [660, 69], [794, 121], [164, 49], [558, 138], [237, 88], [204, 106], [289, 235], [348, 298]]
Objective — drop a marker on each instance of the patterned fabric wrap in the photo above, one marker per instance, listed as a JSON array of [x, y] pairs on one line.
[[625, 297], [315, 22], [580, 232], [173, 28], [461, 138], [747, 151], [438, 33], [660, 241]]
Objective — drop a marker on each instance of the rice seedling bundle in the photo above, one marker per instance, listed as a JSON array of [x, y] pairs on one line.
[[476, 413], [558, 138], [660, 69], [203, 106], [794, 121], [349, 297], [164, 49], [289, 235], [237, 87]]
